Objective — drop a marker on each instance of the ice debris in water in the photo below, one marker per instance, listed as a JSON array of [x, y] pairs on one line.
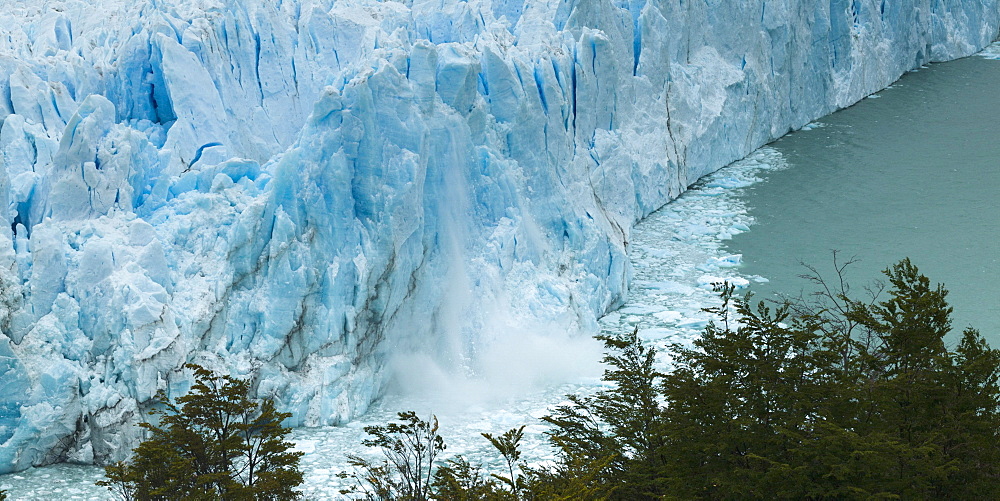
[[991, 51]]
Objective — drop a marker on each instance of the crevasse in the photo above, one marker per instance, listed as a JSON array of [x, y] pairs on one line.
[[295, 190]]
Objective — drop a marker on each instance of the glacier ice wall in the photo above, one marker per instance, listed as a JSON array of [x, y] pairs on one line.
[[294, 190]]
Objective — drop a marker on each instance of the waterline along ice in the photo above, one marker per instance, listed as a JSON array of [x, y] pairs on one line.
[[300, 192]]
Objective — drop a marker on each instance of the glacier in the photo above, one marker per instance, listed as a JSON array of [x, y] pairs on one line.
[[298, 191]]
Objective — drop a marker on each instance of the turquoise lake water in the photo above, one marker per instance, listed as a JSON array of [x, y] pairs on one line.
[[913, 171]]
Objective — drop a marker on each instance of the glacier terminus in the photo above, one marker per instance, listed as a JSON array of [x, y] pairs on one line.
[[297, 191]]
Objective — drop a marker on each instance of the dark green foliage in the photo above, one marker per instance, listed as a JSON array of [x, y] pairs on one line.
[[617, 428], [410, 448], [572, 479], [828, 397], [409, 471], [459, 480], [507, 444], [831, 399], [213, 443]]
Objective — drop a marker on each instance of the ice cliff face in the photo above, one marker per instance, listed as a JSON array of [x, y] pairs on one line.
[[293, 190]]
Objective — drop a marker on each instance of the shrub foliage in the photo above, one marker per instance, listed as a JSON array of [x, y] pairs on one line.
[[824, 397], [838, 398], [213, 443]]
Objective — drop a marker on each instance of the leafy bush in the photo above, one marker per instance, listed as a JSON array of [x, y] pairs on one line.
[[616, 429], [409, 471], [410, 448], [215, 443], [840, 398], [824, 397]]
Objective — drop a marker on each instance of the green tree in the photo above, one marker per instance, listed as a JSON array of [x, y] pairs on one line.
[[972, 430], [739, 399], [823, 397], [508, 445], [409, 469], [460, 480], [571, 479], [215, 442], [849, 399], [409, 448], [829, 397], [618, 427], [920, 394]]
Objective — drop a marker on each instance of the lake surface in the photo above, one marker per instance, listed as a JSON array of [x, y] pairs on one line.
[[913, 171]]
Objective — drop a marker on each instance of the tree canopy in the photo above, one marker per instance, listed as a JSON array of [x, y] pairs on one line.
[[824, 397], [216, 442], [840, 398]]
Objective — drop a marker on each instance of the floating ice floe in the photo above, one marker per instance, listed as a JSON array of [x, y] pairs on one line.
[[991, 51], [711, 281], [666, 286]]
